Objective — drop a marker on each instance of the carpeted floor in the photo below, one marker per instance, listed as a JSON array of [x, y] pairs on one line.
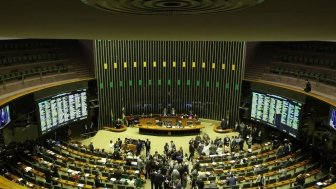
[[102, 139]]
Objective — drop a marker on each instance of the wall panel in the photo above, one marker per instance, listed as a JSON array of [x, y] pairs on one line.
[[146, 76]]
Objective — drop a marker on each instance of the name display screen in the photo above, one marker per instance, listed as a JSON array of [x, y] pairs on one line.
[[276, 111], [332, 118], [4, 116], [62, 109]]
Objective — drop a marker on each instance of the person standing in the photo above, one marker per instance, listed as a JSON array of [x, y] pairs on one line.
[[232, 181], [227, 141], [158, 180], [69, 133], [172, 146], [148, 166], [152, 178], [91, 148], [138, 147], [191, 151], [166, 149], [111, 145], [148, 146], [97, 182], [249, 141], [260, 181], [308, 87], [223, 124], [200, 183]]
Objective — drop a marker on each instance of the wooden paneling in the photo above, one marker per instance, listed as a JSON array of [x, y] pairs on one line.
[[146, 76]]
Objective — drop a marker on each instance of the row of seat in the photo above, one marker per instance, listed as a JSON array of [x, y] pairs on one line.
[[7, 60], [85, 167], [35, 71], [77, 154], [304, 59], [247, 177], [7, 45], [321, 47], [263, 153], [301, 73]]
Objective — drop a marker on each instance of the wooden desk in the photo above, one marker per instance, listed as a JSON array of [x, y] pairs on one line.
[[122, 129], [193, 121], [172, 120], [331, 186], [218, 129], [157, 130], [8, 184], [147, 121]]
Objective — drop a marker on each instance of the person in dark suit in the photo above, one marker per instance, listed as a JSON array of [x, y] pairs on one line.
[[117, 174], [91, 148], [47, 175], [118, 123], [54, 171], [223, 124], [152, 178], [158, 180], [232, 181], [200, 183], [97, 182], [148, 146], [191, 151], [308, 87], [138, 147]]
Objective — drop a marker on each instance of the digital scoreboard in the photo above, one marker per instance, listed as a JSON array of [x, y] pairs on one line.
[[62, 109], [332, 118], [276, 111], [4, 116]]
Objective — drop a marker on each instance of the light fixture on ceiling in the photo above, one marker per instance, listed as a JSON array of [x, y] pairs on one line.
[[170, 7]]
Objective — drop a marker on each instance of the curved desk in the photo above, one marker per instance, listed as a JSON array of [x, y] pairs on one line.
[[158, 130], [218, 129], [122, 129]]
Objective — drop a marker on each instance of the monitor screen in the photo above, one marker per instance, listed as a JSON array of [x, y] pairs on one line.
[[4, 116], [62, 109], [276, 111], [332, 118]]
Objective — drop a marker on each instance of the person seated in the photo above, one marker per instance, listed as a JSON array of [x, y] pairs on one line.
[[97, 182], [117, 174], [300, 180]]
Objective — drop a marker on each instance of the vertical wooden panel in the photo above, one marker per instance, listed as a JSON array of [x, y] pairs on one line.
[[213, 92]]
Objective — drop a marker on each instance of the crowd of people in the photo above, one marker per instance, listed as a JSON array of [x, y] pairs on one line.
[[174, 168]]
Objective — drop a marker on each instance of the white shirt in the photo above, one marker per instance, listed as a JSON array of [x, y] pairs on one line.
[[206, 150], [219, 150]]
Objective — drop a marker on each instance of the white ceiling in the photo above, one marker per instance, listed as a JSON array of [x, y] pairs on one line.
[[272, 20]]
